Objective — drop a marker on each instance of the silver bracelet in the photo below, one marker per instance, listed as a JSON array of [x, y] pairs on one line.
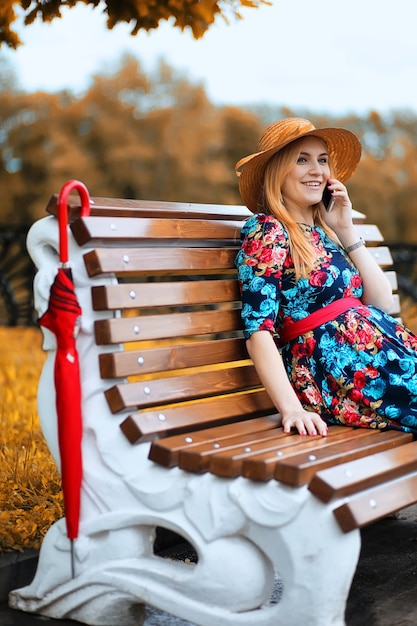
[[354, 246]]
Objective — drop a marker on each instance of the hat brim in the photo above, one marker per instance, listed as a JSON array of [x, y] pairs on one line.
[[344, 151]]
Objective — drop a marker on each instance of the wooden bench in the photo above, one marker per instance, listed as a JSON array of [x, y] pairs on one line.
[[179, 434]]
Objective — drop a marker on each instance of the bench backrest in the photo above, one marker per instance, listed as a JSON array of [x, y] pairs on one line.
[[179, 358]]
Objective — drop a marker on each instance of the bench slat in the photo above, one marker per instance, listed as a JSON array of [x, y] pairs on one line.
[[100, 229], [382, 256], [134, 295], [199, 458], [158, 259], [178, 388], [122, 207], [129, 329], [396, 307], [296, 465], [373, 504], [194, 416], [126, 207], [392, 277], [370, 233], [114, 229], [348, 478], [131, 362], [260, 462], [166, 451], [298, 471], [175, 259]]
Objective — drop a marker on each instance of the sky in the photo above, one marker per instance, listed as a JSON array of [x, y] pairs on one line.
[[325, 56]]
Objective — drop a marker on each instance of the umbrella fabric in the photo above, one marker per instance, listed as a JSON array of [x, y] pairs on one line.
[[62, 318]]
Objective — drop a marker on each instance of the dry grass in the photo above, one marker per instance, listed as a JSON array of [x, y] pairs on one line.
[[30, 487]]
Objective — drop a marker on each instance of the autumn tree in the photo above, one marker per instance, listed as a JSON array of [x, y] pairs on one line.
[[197, 15], [130, 135], [157, 136], [385, 184]]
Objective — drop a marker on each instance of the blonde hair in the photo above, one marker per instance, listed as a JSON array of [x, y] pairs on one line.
[[277, 168]]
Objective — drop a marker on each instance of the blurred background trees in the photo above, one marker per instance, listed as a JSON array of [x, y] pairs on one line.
[[158, 137]]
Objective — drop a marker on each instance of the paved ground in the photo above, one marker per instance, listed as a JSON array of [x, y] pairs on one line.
[[384, 590], [383, 593]]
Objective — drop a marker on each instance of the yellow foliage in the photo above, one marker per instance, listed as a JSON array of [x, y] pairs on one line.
[[7, 17], [30, 485], [197, 15]]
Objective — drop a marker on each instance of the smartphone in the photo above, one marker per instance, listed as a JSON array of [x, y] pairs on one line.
[[328, 199]]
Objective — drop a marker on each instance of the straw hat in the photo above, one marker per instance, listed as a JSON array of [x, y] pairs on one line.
[[344, 150]]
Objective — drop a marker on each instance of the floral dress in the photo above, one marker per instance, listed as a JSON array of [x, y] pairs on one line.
[[359, 369]]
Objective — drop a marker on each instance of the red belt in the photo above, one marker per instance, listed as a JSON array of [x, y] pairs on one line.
[[317, 318]]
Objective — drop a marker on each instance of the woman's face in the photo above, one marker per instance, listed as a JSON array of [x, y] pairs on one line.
[[304, 184]]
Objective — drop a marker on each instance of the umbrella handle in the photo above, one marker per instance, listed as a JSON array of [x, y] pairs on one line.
[[63, 213]]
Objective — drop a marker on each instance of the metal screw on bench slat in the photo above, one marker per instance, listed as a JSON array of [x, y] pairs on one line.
[[372, 503], [136, 330], [113, 226], [247, 449], [279, 453], [348, 473], [141, 360], [216, 445], [132, 294], [161, 417], [126, 259], [188, 440], [312, 457], [147, 390]]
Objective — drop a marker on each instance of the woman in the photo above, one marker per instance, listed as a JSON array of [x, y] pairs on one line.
[[309, 284]]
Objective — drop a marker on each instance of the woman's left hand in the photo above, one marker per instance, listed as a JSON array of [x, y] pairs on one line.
[[376, 287], [340, 216]]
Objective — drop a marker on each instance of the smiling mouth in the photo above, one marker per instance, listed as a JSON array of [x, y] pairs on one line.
[[313, 185]]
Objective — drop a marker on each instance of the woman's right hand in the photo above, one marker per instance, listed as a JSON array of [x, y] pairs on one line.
[[306, 422], [271, 371]]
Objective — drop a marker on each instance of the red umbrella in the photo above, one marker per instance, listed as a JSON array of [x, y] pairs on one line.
[[63, 318]]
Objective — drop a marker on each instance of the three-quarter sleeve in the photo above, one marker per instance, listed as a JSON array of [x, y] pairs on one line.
[[259, 262]]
